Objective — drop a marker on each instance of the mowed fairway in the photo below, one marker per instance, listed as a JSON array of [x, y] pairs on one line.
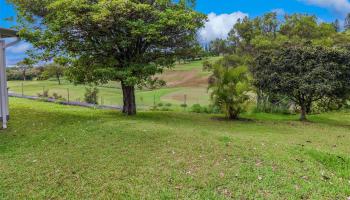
[[61, 152]]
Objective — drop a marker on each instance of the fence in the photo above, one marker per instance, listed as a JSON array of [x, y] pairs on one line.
[[72, 103], [161, 99]]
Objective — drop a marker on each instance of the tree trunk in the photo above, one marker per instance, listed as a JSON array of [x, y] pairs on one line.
[[24, 75], [129, 104], [232, 114], [58, 79], [303, 113], [308, 107]]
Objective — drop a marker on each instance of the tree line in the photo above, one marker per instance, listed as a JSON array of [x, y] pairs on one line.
[[28, 70], [296, 61]]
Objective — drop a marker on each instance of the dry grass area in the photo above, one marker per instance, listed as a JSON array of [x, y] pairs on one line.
[[192, 95], [192, 82], [190, 78]]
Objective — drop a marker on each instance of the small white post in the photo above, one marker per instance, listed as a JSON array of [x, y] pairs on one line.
[[3, 85]]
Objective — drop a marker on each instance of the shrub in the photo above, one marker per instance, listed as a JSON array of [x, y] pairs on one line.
[[91, 95], [328, 104], [184, 105], [211, 109], [154, 108], [196, 108], [57, 96], [42, 77], [45, 94], [168, 105], [160, 104], [15, 73], [347, 105], [165, 109]]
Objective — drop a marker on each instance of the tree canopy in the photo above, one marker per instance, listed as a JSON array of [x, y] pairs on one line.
[[24, 66], [304, 74], [249, 36]]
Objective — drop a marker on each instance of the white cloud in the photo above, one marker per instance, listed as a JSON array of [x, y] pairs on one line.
[[19, 48], [279, 11], [218, 26], [341, 7]]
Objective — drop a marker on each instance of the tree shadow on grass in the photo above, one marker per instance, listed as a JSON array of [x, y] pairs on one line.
[[321, 119], [225, 119]]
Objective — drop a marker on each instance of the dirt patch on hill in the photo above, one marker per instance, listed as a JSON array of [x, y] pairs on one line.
[[191, 78], [192, 95]]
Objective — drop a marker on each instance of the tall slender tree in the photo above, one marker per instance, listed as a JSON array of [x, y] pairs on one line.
[[347, 22], [25, 65], [336, 25]]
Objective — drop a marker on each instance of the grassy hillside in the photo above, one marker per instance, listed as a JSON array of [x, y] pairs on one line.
[[61, 152], [186, 79]]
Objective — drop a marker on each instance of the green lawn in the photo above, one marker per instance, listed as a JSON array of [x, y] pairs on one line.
[[62, 152], [198, 64]]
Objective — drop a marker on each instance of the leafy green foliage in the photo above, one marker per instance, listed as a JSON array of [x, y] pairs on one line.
[[54, 70], [252, 37], [249, 36], [16, 73], [229, 85], [305, 27], [193, 51], [44, 94], [197, 108], [220, 47], [91, 95], [305, 74], [25, 65], [279, 105]]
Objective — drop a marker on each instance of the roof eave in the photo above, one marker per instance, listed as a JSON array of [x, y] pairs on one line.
[[7, 33]]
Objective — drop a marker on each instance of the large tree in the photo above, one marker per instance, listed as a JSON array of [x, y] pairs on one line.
[[124, 40], [219, 47], [54, 70], [25, 65], [304, 73]]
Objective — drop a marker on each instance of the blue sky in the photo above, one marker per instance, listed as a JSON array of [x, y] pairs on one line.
[[222, 15], [259, 7]]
